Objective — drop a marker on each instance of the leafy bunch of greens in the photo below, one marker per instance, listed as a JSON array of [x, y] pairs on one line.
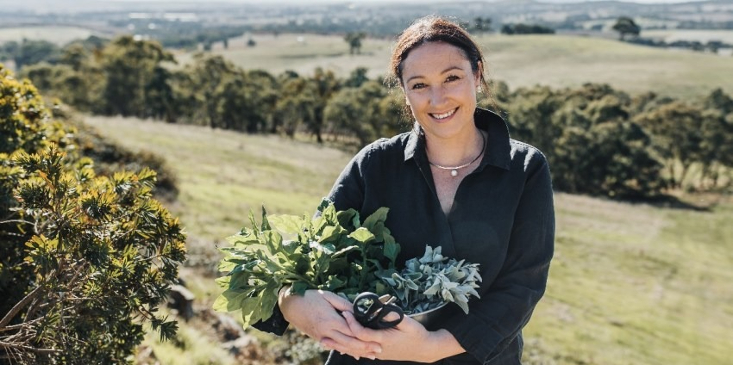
[[430, 281], [334, 251]]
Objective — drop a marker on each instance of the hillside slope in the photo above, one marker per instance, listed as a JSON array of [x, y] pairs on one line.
[[629, 284]]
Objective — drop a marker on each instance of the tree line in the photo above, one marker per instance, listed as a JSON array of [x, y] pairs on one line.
[[600, 141]]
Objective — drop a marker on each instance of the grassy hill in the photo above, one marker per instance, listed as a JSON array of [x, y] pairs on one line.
[[59, 35], [630, 283], [554, 60]]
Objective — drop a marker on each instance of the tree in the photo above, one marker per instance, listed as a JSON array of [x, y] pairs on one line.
[[590, 142], [32, 52], [626, 26], [296, 106], [199, 87], [129, 67], [354, 40], [325, 86], [520, 28], [676, 130], [481, 25], [159, 97], [86, 260], [367, 112], [357, 77]]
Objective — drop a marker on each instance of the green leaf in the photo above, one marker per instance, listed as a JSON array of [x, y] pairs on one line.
[[231, 300], [344, 251], [289, 224], [265, 226], [335, 283], [391, 249], [349, 219], [273, 240], [330, 233], [299, 288], [242, 239], [375, 221], [325, 203], [251, 311], [362, 235]]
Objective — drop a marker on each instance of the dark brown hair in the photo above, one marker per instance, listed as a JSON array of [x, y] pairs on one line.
[[435, 29]]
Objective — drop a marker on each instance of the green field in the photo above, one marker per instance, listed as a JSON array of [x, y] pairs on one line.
[[700, 35], [59, 35], [629, 284], [554, 60]]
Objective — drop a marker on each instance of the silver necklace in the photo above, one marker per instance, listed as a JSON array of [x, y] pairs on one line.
[[454, 169]]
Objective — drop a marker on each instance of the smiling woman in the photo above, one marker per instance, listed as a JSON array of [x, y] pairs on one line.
[[458, 180]]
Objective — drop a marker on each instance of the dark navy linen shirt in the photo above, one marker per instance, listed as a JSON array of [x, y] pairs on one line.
[[502, 218]]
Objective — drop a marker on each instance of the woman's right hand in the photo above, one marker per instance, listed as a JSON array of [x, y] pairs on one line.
[[317, 314]]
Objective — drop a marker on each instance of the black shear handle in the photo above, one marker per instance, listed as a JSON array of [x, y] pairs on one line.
[[370, 311]]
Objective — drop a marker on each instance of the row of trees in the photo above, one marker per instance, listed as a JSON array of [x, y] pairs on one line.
[[141, 79], [600, 141], [521, 28]]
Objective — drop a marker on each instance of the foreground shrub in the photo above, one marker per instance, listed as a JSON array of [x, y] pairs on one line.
[[85, 260]]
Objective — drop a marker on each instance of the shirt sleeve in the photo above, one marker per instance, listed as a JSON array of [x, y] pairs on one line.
[[496, 319], [276, 324]]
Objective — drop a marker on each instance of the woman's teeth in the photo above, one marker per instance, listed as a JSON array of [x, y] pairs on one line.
[[444, 115]]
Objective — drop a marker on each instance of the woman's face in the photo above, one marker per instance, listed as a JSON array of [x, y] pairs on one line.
[[440, 88]]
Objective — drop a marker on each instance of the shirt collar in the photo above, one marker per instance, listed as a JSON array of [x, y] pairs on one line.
[[498, 150]]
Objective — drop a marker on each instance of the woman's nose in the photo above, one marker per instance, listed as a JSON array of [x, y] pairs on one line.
[[437, 96]]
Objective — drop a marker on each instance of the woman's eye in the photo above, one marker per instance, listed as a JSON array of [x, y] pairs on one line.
[[417, 86], [452, 78]]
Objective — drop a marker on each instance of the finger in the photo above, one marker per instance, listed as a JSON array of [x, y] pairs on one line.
[[337, 302], [361, 332], [351, 344], [334, 345]]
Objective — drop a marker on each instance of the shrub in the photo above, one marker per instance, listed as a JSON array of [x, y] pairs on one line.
[[85, 260]]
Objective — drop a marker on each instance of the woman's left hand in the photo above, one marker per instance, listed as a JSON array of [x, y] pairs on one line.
[[408, 341]]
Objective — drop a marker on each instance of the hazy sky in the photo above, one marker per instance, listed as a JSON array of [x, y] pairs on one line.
[[366, 1]]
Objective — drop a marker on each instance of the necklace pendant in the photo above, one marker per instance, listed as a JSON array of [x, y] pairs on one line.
[[454, 173]]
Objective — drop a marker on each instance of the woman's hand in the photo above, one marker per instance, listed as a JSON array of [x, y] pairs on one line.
[[317, 315], [408, 341]]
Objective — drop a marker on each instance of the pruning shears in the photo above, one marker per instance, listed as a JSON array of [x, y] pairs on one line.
[[370, 310]]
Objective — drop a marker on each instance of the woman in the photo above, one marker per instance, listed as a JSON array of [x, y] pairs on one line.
[[456, 180]]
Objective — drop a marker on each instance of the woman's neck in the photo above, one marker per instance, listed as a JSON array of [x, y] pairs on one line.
[[454, 151]]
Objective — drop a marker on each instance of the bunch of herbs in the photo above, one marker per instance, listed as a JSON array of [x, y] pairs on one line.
[[430, 281], [337, 252], [333, 251]]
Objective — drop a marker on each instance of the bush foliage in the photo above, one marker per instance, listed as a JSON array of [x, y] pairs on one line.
[[85, 259]]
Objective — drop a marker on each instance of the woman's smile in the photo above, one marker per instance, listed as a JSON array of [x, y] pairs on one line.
[[444, 115]]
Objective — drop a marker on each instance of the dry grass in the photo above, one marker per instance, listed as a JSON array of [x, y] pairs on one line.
[[223, 174], [59, 35], [700, 35]]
